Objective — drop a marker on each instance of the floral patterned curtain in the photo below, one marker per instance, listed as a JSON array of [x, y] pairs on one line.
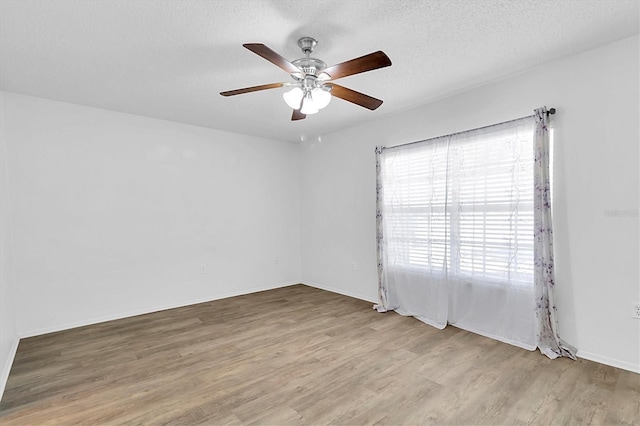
[[383, 295], [549, 341]]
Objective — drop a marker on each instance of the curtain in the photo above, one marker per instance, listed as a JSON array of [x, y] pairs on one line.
[[547, 335], [456, 240], [413, 274]]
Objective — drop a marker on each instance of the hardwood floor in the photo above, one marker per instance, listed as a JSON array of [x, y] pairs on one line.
[[300, 355]]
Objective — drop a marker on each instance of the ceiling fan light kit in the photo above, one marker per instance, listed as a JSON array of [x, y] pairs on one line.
[[293, 97], [312, 87]]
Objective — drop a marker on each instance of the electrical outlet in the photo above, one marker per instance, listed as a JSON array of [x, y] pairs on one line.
[[277, 260], [636, 311], [354, 266], [203, 269]]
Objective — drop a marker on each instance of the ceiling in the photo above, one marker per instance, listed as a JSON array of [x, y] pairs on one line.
[[169, 59]]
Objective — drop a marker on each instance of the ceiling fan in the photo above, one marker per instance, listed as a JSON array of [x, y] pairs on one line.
[[312, 86]]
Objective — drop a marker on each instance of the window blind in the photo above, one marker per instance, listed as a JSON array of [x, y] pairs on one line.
[[463, 207]]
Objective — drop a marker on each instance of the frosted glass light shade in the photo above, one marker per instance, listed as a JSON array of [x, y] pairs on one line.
[[293, 97], [308, 106], [321, 98]]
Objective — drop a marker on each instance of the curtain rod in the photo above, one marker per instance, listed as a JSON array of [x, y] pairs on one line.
[[550, 111]]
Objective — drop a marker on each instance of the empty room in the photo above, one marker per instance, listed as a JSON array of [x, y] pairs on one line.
[[280, 212]]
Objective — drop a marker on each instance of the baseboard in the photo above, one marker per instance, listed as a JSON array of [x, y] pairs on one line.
[[340, 291], [601, 359], [121, 315], [4, 374]]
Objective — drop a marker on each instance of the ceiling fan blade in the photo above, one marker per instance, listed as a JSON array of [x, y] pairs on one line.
[[354, 97], [271, 56], [365, 63], [297, 115], [252, 89]]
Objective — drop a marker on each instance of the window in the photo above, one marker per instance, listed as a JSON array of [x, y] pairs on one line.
[[463, 206]]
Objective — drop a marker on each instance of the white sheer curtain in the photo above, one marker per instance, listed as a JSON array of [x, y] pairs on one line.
[[455, 231]]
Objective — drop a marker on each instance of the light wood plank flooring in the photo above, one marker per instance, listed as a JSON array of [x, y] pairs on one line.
[[300, 355]]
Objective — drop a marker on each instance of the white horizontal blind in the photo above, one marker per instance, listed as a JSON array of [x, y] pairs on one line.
[[495, 207], [465, 206], [415, 184]]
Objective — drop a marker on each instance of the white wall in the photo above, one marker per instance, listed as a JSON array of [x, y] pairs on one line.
[[596, 94], [8, 326], [115, 214]]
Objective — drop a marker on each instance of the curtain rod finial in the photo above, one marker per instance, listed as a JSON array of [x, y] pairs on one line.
[[551, 111]]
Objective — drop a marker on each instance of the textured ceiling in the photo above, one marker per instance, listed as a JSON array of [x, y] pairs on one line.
[[170, 59]]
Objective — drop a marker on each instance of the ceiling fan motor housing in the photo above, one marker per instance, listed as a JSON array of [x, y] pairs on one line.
[[310, 66]]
